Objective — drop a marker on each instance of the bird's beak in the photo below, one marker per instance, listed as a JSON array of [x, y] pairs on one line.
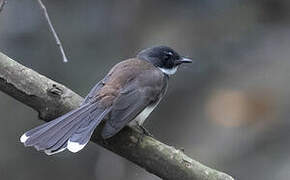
[[185, 60]]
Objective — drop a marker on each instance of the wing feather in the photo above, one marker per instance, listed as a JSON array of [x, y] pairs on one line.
[[126, 108]]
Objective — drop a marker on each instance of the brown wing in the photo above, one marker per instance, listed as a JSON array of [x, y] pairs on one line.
[[94, 90], [127, 89], [145, 89]]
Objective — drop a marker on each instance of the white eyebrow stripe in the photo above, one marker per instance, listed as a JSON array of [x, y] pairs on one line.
[[168, 52]]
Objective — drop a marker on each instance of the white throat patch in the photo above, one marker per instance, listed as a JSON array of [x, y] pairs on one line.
[[169, 71]]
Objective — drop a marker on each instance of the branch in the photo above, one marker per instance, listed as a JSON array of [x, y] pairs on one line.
[[2, 4], [52, 99], [58, 42]]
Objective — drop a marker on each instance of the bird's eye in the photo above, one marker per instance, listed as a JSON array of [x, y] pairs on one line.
[[168, 55]]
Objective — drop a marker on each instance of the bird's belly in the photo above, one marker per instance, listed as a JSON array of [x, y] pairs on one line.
[[139, 120]]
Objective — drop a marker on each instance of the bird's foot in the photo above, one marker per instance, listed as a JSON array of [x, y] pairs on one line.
[[145, 131], [105, 142]]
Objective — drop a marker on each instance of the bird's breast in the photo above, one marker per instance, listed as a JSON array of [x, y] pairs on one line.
[[139, 120]]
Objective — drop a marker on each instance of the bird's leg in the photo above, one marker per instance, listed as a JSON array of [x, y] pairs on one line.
[[144, 130], [105, 142]]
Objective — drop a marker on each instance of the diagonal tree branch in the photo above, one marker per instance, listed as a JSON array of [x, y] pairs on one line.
[[52, 99]]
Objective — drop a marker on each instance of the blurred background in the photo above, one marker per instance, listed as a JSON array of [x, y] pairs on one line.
[[229, 110]]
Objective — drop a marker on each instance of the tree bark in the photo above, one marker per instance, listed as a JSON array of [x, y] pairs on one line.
[[51, 99]]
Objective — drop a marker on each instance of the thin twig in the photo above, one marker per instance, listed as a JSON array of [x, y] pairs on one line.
[[58, 42], [2, 4]]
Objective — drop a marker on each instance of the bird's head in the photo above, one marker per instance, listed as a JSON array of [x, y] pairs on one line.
[[164, 58]]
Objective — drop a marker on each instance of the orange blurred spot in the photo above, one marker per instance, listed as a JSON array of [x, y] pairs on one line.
[[235, 107]]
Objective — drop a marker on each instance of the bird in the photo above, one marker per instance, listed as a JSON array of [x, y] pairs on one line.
[[124, 97]]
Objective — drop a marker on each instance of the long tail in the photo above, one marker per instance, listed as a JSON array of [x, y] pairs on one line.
[[71, 131]]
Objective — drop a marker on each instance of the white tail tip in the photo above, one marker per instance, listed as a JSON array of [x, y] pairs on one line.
[[23, 138], [48, 152], [74, 146]]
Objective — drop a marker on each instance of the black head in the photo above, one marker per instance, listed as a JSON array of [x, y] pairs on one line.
[[165, 58]]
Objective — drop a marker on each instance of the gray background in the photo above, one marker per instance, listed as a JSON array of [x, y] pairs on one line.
[[229, 110]]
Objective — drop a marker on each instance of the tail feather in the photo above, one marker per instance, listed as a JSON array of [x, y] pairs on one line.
[[57, 150], [61, 136], [59, 133], [42, 133], [53, 137], [83, 134], [53, 122], [62, 142]]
